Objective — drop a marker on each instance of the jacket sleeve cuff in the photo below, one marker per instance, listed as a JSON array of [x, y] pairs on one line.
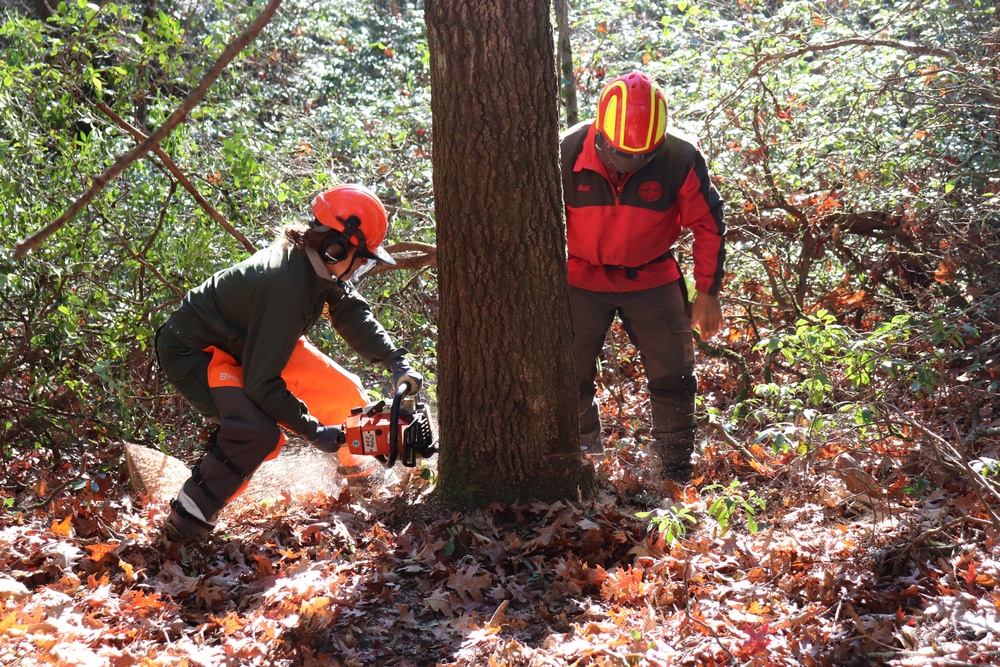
[[309, 432], [705, 286], [392, 356]]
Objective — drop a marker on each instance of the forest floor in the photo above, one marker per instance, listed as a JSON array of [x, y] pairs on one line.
[[855, 560]]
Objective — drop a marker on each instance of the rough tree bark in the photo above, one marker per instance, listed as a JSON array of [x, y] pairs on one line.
[[507, 404]]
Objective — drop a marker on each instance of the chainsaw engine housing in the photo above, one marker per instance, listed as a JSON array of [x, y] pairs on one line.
[[401, 431]]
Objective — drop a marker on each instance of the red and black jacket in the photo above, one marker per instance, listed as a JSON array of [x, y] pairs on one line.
[[620, 240]]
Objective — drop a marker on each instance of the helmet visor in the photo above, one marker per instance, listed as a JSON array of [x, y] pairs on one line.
[[617, 160], [364, 260], [362, 268], [378, 253]]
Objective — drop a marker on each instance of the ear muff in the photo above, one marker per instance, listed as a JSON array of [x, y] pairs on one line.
[[334, 249]]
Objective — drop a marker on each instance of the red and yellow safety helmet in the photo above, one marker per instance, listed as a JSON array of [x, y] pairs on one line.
[[632, 114]]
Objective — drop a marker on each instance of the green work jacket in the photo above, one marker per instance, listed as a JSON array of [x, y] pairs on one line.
[[258, 309]]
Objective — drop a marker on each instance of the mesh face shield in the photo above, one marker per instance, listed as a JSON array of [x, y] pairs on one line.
[[363, 260], [623, 163], [359, 268]]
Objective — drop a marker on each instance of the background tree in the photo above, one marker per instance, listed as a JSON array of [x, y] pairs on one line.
[[567, 73], [507, 409]]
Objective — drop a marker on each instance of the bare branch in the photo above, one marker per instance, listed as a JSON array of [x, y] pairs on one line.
[[179, 175], [232, 50], [909, 47], [408, 255]]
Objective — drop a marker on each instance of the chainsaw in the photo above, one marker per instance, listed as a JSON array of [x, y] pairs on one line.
[[403, 431]]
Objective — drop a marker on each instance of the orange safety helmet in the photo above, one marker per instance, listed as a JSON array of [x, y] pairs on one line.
[[632, 114], [358, 214]]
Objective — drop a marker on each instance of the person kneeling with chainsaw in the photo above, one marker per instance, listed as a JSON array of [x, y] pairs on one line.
[[226, 347]]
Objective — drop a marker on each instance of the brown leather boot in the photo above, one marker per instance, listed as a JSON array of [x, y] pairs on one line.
[[670, 462]]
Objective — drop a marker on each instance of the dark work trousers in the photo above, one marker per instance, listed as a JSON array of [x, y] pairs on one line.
[[658, 323], [246, 437], [246, 434]]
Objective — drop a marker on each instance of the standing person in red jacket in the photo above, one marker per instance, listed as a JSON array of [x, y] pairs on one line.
[[630, 187]]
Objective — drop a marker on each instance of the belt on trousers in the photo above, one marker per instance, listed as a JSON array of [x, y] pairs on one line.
[[632, 272]]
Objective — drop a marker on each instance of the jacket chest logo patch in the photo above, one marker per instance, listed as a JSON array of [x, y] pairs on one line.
[[583, 188], [650, 191]]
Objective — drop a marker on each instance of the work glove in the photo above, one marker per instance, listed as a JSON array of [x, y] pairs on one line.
[[328, 439], [402, 372]]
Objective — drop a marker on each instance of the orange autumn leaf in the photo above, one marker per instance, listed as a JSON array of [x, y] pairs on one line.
[[64, 527], [946, 271], [98, 551], [9, 622], [829, 203], [93, 583], [136, 599], [94, 622], [315, 606], [269, 629], [69, 583], [230, 623], [625, 585], [33, 616]]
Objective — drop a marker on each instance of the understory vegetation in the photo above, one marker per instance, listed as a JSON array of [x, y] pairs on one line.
[[845, 507]]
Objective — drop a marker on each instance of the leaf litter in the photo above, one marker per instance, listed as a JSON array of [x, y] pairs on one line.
[[833, 576]]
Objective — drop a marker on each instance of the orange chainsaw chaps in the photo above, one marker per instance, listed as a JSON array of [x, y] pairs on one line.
[[223, 369], [327, 389], [330, 392], [277, 450]]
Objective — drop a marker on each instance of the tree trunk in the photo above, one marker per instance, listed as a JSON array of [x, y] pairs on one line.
[[506, 396], [566, 64]]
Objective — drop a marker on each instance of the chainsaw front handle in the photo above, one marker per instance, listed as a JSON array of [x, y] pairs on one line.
[[401, 392]]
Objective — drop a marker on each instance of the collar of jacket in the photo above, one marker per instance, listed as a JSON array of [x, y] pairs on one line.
[[588, 155]]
